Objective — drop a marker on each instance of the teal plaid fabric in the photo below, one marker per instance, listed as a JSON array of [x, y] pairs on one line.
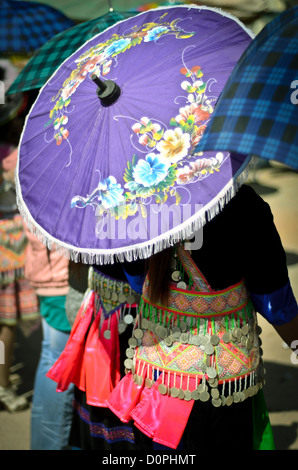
[[51, 55], [257, 112], [25, 26]]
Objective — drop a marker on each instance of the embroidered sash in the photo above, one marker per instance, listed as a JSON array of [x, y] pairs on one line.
[[203, 346]]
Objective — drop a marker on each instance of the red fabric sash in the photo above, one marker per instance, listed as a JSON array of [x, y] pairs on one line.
[[161, 417], [68, 367], [102, 360], [125, 397]]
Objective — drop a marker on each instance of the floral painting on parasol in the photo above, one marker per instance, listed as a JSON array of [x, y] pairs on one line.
[[107, 163]]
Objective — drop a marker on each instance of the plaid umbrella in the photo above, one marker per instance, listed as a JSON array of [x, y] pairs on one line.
[[51, 55], [257, 111], [110, 171], [25, 26]]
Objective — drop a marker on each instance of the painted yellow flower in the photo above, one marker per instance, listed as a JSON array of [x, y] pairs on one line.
[[175, 145]]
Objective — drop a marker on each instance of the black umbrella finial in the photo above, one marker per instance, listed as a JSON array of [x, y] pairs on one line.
[[108, 91]]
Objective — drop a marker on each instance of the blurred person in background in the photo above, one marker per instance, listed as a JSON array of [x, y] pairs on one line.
[[18, 301], [51, 411]]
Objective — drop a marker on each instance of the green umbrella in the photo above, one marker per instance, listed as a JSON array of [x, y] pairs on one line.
[[50, 56]]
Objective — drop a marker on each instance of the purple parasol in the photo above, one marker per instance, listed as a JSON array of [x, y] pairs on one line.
[[107, 164]]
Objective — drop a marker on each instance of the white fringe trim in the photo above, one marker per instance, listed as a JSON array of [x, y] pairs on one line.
[[142, 250]]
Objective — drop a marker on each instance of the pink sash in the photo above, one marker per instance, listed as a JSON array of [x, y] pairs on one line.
[[68, 367]]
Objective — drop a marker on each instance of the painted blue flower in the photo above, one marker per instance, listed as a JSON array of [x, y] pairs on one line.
[[151, 171], [155, 33], [117, 46], [108, 194], [111, 192]]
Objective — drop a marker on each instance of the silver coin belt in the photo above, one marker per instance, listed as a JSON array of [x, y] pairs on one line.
[[116, 296], [224, 392]]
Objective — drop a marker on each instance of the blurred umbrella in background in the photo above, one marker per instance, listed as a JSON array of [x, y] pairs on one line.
[[257, 112], [51, 55], [25, 26]]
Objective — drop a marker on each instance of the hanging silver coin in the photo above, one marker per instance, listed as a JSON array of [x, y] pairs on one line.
[[226, 337], [205, 396], [151, 326], [195, 395], [161, 331], [214, 383], [101, 292], [107, 294], [183, 338], [144, 323], [162, 389], [114, 297], [130, 299], [202, 388], [181, 285], [138, 333], [107, 334], [130, 353], [122, 298], [148, 382], [121, 327], [174, 391], [187, 395], [168, 341], [215, 393], [196, 340], [132, 342], [128, 319], [139, 380], [245, 329], [209, 349], [176, 330], [214, 340], [229, 400], [236, 333], [176, 276], [216, 402], [128, 363], [211, 372]]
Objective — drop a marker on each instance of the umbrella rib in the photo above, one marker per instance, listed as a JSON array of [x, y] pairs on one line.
[[77, 170]]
